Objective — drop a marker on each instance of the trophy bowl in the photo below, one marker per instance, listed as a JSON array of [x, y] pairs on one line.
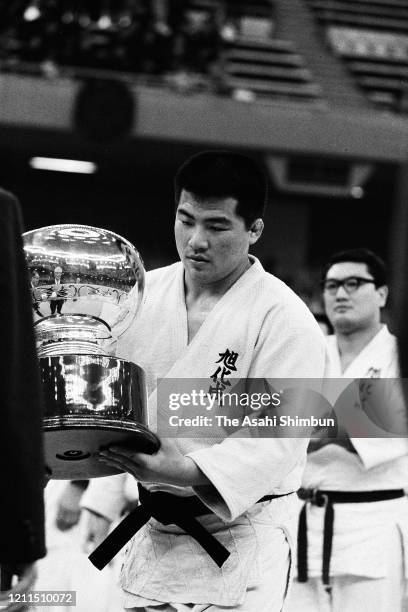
[[87, 285]]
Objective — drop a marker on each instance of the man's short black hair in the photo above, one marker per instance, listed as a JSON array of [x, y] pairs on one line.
[[375, 265], [224, 174]]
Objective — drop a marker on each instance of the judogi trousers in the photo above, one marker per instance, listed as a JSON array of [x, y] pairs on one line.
[[262, 599], [351, 593], [268, 596], [257, 600]]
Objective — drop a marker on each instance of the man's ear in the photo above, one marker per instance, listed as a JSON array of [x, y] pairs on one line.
[[383, 295], [255, 230]]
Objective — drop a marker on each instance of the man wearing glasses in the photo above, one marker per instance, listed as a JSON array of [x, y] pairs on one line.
[[353, 527]]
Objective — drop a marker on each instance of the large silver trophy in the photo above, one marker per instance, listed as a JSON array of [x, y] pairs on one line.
[[86, 286]]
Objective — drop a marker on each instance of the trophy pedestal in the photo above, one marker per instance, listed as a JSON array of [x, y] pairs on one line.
[[70, 450], [92, 402]]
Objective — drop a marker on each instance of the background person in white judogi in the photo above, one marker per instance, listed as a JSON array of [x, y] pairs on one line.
[[368, 565], [66, 566]]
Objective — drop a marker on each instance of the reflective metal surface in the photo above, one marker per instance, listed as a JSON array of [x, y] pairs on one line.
[[82, 270], [91, 401], [86, 287]]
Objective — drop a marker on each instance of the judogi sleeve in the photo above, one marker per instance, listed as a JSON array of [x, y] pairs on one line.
[[377, 451], [106, 496]]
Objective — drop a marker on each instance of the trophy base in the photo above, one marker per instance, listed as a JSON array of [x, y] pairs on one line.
[[71, 447]]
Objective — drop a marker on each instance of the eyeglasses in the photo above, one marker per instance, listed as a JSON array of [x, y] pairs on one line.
[[350, 284]]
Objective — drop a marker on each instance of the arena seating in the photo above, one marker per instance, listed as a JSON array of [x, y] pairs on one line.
[[229, 47], [371, 37], [226, 46], [269, 69], [383, 15]]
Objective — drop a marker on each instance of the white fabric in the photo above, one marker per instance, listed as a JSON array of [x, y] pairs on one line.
[[275, 336], [355, 593], [109, 496], [262, 596], [67, 568], [363, 532], [175, 569]]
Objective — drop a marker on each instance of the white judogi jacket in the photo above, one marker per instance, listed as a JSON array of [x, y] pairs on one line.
[[361, 531], [274, 335]]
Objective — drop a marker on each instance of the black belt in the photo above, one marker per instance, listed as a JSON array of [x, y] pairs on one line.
[[326, 499], [167, 509]]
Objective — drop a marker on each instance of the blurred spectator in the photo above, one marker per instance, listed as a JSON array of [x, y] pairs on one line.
[[66, 566], [148, 37], [199, 40]]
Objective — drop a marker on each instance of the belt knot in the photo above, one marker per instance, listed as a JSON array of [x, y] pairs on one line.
[[314, 496], [163, 507]]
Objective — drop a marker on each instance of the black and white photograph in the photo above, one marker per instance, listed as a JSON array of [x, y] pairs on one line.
[[204, 305]]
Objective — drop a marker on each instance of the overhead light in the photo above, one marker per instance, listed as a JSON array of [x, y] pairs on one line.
[[63, 165], [32, 12], [104, 22], [357, 192]]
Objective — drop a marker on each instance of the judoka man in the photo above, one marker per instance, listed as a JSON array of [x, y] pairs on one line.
[[366, 567], [213, 314]]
